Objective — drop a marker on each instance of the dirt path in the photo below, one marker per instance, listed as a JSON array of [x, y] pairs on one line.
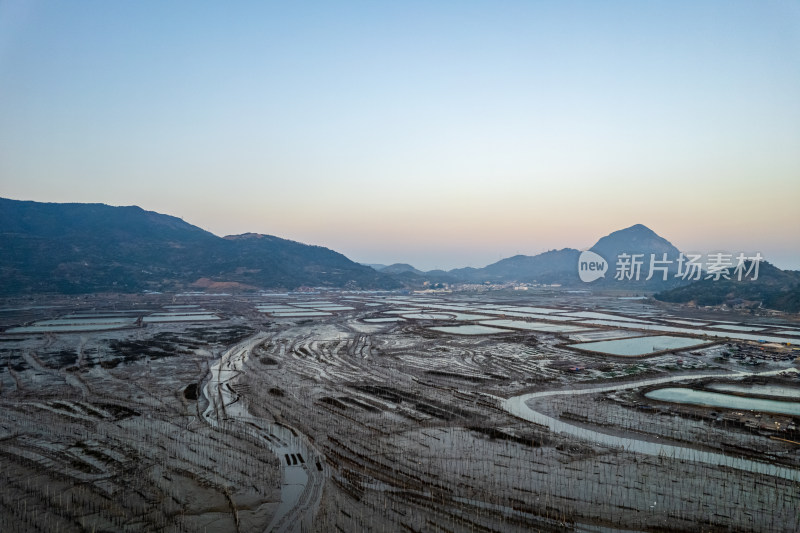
[[301, 488]]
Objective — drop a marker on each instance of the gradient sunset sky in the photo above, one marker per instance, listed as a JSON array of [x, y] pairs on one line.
[[442, 134]]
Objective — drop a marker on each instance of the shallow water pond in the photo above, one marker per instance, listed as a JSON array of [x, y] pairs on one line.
[[469, 316], [686, 322], [603, 316], [589, 336], [691, 331], [784, 391], [429, 316], [535, 326], [86, 320], [179, 318], [553, 318], [736, 328], [728, 401], [538, 310], [67, 328], [289, 314], [789, 332], [470, 329], [638, 346]]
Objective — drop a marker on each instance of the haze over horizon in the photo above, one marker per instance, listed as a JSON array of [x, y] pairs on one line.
[[444, 135]]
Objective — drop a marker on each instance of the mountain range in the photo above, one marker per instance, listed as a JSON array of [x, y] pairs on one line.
[[85, 248], [555, 266], [561, 266]]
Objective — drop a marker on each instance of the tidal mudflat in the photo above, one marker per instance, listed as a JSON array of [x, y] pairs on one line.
[[390, 412]]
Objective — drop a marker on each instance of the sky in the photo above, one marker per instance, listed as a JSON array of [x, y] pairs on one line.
[[441, 134]]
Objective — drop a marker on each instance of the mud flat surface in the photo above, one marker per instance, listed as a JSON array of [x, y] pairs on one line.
[[377, 413]]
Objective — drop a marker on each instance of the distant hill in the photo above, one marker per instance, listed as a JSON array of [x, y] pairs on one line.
[[413, 278], [84, 248], [774, 289], [641, 241], [424, 280], [637, 239], [555, 266], [561, 266], [399, 268]]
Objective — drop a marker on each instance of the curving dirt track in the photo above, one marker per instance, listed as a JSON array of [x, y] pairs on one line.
[[302, 482]]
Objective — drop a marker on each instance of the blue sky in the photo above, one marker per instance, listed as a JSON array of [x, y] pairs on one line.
[[442, 134]]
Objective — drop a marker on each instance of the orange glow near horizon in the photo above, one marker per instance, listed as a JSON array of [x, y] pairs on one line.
[[424, 133]]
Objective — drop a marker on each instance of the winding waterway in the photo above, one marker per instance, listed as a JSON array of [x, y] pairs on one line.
[[518, 406]]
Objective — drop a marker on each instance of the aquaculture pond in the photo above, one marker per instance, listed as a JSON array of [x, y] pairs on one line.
[[289, 314], [469, 316], [793, 332], [278, 309], [87, 320], [109, 314], [470, 329], [537, 310], [537, 316], [588, 336], [603, 316], [686, 322], [179, 318], [181, 313], [429, 316], [727, 401], [534, 326], [68, 328], [639, 346], [77, 323], [784, 391], [736, 328], [690, 331]]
